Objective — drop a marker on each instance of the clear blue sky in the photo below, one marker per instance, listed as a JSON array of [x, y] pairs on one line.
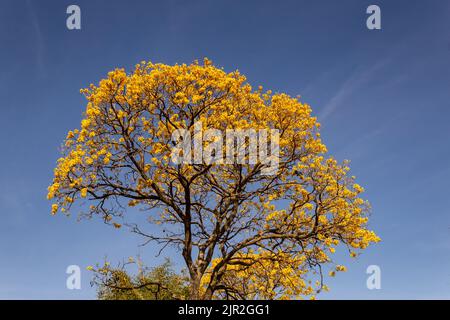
[[383, 98]]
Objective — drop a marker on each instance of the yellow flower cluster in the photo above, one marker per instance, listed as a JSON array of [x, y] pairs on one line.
[[267, 275]]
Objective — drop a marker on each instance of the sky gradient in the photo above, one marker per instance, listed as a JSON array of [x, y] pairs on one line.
[[382, 96]]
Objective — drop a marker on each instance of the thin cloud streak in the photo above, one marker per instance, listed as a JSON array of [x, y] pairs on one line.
[[352, 84], [39, 39]]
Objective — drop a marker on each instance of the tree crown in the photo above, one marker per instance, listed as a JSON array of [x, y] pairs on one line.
[[241, 233]]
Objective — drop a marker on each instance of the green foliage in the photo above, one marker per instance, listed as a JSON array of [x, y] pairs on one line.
[[158, 283]]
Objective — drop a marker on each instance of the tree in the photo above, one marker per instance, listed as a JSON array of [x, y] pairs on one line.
[[158, 283], [242, 233]]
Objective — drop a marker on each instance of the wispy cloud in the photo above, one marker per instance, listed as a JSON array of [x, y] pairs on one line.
[[39, 51], [363, 139], [353, 83]]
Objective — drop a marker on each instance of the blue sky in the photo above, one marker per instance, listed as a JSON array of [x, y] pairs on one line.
[[382, 96]]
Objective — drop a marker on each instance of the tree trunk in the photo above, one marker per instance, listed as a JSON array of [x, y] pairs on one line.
[[194, 292]]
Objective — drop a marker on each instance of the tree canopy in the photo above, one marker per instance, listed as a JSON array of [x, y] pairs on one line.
[[241, 233]]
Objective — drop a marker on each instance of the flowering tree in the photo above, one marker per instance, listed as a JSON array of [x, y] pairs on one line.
[[241, 233]]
